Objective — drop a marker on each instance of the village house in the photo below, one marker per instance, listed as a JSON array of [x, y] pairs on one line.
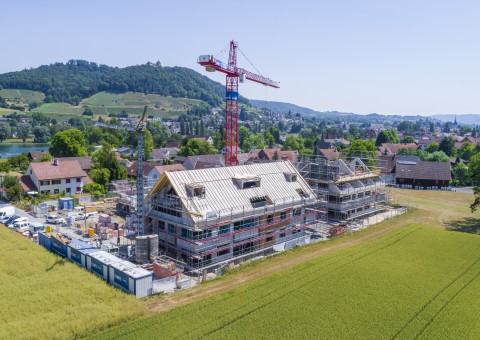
[[422, 175], [55, 177]]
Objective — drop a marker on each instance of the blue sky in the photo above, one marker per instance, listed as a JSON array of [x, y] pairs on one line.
[[390, 57]]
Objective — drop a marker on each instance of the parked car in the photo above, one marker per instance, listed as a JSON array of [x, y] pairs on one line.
[[11, 219], [20, 226], [16, 221], [54, 219]]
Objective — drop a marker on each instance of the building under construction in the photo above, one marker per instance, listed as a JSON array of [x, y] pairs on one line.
[[347, 188], [212, 216]]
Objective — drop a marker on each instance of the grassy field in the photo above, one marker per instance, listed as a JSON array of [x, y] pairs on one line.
[[43, 296], [406, 278], [104, 103], [23, 96]]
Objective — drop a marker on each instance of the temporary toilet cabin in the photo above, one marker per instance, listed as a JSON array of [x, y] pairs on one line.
[[77, 252], [130, 278], [65, 203], [98, 262]]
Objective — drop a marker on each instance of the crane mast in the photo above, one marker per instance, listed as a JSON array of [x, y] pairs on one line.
[[234, 75]]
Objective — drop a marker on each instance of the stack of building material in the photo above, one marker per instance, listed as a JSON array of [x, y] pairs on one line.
[[163, 270]]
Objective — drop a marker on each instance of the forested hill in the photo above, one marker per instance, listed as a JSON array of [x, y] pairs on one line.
[[79, 79]]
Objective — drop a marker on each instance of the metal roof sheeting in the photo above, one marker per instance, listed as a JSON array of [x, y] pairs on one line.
[[222, 192]]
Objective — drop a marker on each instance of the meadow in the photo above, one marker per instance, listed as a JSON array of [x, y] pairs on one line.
[[416, 280], [22, 95], [104, 103], [404, 278], [44, 296]]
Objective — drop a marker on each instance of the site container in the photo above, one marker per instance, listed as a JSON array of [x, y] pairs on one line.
[[130, 278], [98, 262], [59, 247], [77, 252], [45, 241]]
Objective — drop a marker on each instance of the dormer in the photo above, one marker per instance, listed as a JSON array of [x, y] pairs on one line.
[[246, 181], [195, 190], [291, 176]]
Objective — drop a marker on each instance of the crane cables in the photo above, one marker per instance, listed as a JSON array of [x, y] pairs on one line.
[[238, 48], [222, 52]]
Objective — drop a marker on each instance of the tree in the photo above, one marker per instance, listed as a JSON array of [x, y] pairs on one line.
[[387, 136], [147, 145], [68, 143], [14, 193], [10, 181], [19, 161], [196, 146], [432, 147], [5, 167], [293, 143], [437, 156], [100, 176], [467, 150], [104, 158], [474, 171], [94, 188], [5, 132], [23, 131], [243, 134], [269, 139], [447, 145], [460, 174], [408, 139]]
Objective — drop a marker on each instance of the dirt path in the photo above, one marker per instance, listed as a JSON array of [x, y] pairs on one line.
[[274, 265]]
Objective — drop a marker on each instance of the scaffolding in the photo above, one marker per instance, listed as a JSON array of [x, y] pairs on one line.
[[349, 188], [213, 238]]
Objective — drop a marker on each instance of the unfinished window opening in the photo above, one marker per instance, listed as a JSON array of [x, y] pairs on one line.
[[302, 193], [260, 201], [195, 190], [247, 181], [269, 218], [290, 176]]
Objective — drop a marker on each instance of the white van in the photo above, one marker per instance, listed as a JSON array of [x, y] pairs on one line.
[[22, 226], [18, 220], [6, 212]]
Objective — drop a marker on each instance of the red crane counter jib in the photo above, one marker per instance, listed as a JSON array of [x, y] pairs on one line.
[[234, 75]]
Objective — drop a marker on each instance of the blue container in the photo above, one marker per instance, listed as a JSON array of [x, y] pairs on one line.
[[59, 247], [77, 251], [65, 203], [45, 241]]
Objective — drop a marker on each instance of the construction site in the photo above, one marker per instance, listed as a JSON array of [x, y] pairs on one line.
[[159, 235], [349, 189]]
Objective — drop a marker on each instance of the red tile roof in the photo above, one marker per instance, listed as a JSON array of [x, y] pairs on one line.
[[171, 167], [27, 184], [423, 170], [147, 167], [64, 169]]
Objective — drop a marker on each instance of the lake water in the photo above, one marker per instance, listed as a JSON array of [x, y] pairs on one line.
[[13, 149]]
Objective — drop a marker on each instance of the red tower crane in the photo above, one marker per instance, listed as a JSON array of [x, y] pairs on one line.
[[234, 75]]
